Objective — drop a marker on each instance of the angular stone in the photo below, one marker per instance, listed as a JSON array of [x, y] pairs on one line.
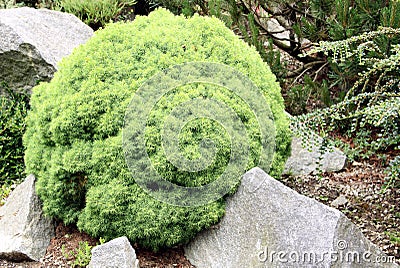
[[340, 201], [115, 253], [267, 224], [25, 232], [33, 41], [304, 161]]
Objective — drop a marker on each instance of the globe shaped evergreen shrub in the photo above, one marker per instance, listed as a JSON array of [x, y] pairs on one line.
[[74, 128]]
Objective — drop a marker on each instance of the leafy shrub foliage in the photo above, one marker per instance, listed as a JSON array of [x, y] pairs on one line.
[[240, 16], [95, 13], [74, 134], [13, 108]]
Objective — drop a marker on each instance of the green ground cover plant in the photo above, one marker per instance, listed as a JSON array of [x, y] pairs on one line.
[[81, 255]]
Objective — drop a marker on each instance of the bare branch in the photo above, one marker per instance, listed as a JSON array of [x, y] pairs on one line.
[[306, 66], [294, 49], [317, 72]]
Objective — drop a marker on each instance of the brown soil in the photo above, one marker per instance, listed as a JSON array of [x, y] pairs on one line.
[[68, 237], [376, 213]]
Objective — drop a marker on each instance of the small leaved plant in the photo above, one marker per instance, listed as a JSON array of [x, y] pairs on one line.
[[80, 256]]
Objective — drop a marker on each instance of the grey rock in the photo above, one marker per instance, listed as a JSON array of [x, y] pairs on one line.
[[117, 253], [25, 232], [267, 224], [278, 31], [304, 161], [309, 159], [33, 41], [340, 201]]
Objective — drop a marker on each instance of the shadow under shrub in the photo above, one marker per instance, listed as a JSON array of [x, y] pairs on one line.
[[74, 127]]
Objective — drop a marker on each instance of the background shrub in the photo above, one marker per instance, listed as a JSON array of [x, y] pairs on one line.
[[95, 13], [74, 127], [13, 108], [52, 4], [6, 3]]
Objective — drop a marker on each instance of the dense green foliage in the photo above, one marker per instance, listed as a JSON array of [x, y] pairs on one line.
[[13, 107], [239, 16], [74, 127]]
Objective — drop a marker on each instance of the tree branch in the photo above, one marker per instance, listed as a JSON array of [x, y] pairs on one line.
[[294, 49], [306, 66]]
